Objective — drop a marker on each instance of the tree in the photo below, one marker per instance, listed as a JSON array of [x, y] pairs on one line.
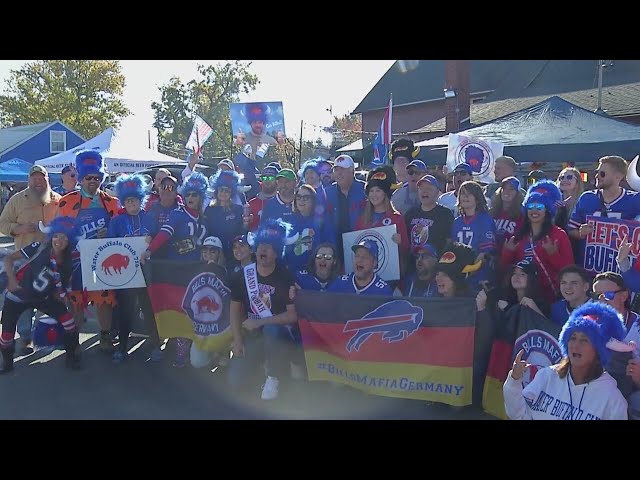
[[345, 129], [209, 97], [84, 94]]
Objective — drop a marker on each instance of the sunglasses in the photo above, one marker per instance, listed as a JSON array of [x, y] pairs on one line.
[[535, 206], [304, 197], [192, 194], [268, 178], [168, 187], [326, 256], [568, 176], [93, 177], [608, 296], [73, 175]]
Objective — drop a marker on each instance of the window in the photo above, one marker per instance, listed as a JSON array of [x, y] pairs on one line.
[[58, 141]]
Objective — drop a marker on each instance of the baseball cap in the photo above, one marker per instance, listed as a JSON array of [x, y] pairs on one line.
[[343, 161], [241, 239], [464, 167], [513, 181], [67, 169], [527, 267], [212, 242], [429, 179], [38, 169], [370, 245], [170, 178], [419, 164], [287, 173], [427, 248], [270, 170], [228, 163]]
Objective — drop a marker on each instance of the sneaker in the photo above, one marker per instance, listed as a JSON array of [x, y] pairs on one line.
[[106, 345], [298, 372], [156, 355], [23, 347], [270, 388], [118, 357]]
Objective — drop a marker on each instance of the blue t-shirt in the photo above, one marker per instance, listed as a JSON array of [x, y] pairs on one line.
[[226, 224], [125, 225], [275, 208]]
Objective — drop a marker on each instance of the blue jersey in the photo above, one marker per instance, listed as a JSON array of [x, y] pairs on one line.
[[625, 207], [347, 284], [560, 311], [479, 233], [276, 208], [312, 231], [160, 214], [308, 281], [226, 224], [125, 225], [187, 233]]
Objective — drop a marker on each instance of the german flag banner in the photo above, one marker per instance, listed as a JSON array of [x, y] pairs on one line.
[[519, 328], [396, 347], [190, 300]]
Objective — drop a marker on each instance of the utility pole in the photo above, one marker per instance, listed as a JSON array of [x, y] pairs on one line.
[[149, 137], [300, 152], [601, 64]]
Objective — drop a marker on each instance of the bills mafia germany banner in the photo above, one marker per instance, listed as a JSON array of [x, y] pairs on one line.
[[390, 346], [519, 328], [602, 245], [190, 300]]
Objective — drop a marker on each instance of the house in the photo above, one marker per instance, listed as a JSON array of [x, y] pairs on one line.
[[37, 141], [478, 91]]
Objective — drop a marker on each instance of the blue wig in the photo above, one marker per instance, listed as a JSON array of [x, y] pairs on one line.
[[196, 182], [225, 178], [132, 186], [65, 225], [309, 164], [545, 192], [599, 322], [273, 232], [256, 112], [89, 162]]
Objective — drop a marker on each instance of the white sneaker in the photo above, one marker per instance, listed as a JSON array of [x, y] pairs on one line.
[[270, 388], [298, 372]]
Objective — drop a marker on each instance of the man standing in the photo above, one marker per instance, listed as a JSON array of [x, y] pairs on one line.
[[19, 219], [69, 180], [267, 192], [92, 210], [462, 173], [154, 196], [263, 316], [281, 206], [505, 167], [406, 197], [422, 283], [363, 280], [346, 199], [401, 154]]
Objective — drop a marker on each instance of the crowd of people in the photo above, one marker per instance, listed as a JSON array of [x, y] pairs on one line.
[[504, 244]]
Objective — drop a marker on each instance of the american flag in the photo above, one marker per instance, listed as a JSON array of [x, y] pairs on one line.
[[383, 137], [200, 133]]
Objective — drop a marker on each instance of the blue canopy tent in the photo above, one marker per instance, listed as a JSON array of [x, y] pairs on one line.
[[14, 170], [554, 131]]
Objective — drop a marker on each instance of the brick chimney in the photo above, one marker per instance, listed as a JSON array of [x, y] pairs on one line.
[[458, 106]]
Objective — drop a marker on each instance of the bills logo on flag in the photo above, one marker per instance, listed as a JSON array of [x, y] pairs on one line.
[[396, 321], [481, 155], [200, 133], [383, 137]]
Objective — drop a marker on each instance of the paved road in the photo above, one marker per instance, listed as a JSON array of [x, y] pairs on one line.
[[41, 387]]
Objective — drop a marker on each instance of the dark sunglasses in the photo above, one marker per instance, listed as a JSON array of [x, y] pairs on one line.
[[608, 296], [326, 256], [73, 175], [568, 176], [92, 177], [169, 187], [535, 206], [268, 178], [304, 197], [192, 194]]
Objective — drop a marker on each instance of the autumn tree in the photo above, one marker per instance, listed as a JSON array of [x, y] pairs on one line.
[[209, 97], [83, 94], [345, 130]]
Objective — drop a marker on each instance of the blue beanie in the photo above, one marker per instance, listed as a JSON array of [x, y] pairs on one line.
[[545, 192], [225, 178], [64, 225], [131, 186], [89, 162], [599, 322]]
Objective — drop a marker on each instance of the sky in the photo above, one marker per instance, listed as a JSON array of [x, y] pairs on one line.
[[307, 89]]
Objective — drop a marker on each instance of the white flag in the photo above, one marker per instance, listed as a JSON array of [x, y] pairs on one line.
[[480, 154], [200, 133]]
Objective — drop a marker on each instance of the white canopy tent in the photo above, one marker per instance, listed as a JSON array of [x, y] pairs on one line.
[[118, 158]]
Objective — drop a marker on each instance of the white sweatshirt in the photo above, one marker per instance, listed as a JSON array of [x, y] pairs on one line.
[[549, 397]]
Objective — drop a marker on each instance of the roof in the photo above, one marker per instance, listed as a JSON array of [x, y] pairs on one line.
[[506, 79], [617, 101], [426, 82], [352, 147], [554, 131], [10, 137]]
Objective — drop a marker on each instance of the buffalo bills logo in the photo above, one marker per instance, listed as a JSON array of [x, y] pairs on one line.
[[477, 154], [396, 321], [541, 350], [115, 264], [203, 303]]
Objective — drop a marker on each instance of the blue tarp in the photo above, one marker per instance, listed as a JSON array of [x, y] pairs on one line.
[[14, 170], [552, 131]]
